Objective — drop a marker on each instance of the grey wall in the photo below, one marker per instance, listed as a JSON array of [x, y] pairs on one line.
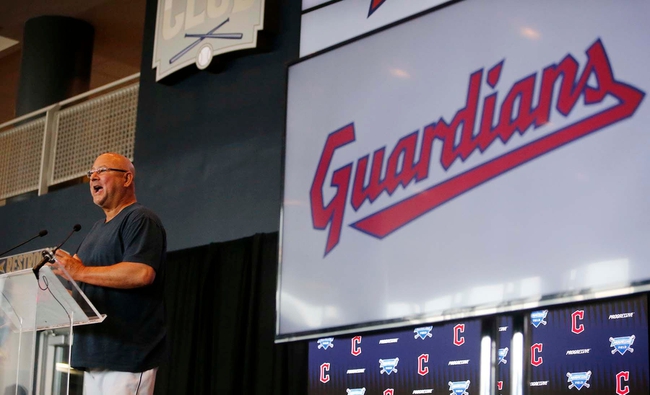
[[208, 149]]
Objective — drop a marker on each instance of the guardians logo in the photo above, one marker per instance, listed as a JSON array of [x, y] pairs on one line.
[[374, 4], [522, 110]]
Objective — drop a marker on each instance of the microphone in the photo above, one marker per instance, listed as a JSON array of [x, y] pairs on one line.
[[48, 256], [40, 234]]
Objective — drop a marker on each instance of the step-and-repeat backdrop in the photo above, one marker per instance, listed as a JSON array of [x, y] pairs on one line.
[[596, 348]]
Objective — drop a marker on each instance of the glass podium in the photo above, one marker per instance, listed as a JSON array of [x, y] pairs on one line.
[[28, 305]]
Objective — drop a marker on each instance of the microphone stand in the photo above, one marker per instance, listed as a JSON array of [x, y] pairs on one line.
[[40, 234], [48, 256]]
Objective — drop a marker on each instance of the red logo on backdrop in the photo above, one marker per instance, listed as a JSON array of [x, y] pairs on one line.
[[622, 389], [374, 4], [534, 359], [389, 391], [387, 172], [356, 346], [324, 375], [458, 339], [422, 359], [575, 316], [500, 385]]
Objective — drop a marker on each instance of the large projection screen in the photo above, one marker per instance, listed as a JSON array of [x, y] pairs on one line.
[[485, 157]]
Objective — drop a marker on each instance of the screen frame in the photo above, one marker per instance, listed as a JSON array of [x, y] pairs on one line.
[[518, 305]]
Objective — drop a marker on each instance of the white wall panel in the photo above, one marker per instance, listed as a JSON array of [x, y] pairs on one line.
[[347, 19]]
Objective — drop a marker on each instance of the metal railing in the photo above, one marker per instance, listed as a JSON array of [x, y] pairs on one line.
[[58, 143]]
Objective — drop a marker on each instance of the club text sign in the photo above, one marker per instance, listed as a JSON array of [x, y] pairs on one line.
[[192, 32]]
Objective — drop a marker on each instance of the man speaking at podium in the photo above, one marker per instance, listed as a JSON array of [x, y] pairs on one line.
[[120, 267]]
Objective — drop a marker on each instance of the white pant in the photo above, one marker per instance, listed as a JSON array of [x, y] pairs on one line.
[[108, 382]]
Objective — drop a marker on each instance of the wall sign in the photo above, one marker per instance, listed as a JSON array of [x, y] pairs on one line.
[[192, 32]]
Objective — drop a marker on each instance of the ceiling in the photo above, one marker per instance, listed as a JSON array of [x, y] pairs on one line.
[[117, 51]]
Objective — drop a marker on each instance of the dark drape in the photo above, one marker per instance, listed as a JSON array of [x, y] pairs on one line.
[[221, 321]]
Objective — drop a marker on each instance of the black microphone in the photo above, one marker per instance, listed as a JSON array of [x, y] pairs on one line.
[[48, 256], [40, 234]]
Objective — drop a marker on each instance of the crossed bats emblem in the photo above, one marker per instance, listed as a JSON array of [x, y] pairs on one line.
[[582, 376], [626, 340], [200, 37]]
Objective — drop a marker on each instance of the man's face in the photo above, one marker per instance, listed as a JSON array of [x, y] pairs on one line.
[[108, 188]]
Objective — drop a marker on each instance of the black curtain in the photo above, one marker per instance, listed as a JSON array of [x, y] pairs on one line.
[[220, 302]]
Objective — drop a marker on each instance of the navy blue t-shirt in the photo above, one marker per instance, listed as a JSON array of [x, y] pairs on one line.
[[132, 337]]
